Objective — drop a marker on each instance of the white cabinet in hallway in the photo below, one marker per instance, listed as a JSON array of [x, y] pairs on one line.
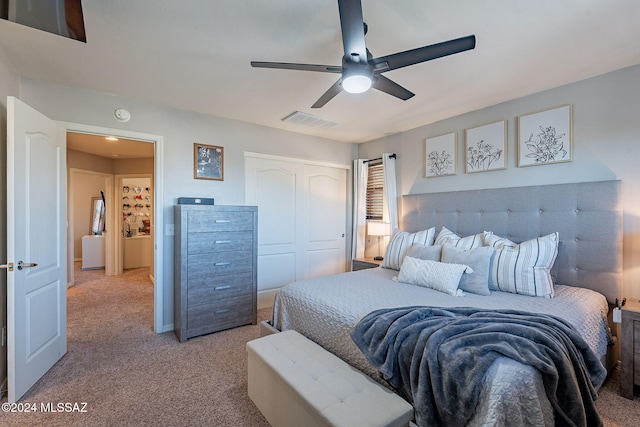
[[92, 252]]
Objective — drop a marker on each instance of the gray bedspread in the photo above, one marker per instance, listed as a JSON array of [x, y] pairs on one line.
[[438, 359], [326, 309]]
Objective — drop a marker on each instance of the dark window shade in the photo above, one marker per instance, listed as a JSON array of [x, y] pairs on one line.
[[375, 191]]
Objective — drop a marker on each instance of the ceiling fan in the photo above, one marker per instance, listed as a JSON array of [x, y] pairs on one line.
[[360, 71]]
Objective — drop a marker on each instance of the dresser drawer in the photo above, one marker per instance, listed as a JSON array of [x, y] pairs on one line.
[[208, 290], [224, 314], [219, 263], [208, 221], [219, 241]]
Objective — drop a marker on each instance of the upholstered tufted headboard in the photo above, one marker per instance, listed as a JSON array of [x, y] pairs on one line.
[[588, 217]]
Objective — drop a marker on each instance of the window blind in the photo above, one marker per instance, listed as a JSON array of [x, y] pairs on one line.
[[375, 191]]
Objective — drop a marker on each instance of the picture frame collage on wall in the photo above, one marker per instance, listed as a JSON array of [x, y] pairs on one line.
[[544, 137]]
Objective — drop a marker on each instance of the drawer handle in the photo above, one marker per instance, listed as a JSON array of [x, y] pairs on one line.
[[224, 310], [221, 242], [217, 264], [222, 221], [222, 288]]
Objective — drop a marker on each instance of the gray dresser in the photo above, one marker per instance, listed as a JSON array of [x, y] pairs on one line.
[[215, 268]]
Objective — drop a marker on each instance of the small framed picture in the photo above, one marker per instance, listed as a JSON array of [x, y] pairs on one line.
[[440, 157], [545, 137], [208, 162], [486, 147]]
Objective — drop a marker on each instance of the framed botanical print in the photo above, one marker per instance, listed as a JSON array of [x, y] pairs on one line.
[[486, 147], [208, 162], [545, 137], [440, 157]]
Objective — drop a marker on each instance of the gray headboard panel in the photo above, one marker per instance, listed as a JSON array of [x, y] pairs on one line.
[[588, 217]]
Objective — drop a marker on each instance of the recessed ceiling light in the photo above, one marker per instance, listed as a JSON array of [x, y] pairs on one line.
[[115, 155], [110, 138]]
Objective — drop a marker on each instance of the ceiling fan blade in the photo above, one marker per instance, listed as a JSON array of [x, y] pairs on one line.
[[422, 54], [328, 95], [352, 26], [301, 67], [385, 85]]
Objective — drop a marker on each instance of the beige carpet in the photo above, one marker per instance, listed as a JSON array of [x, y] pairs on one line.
[[130, 376]]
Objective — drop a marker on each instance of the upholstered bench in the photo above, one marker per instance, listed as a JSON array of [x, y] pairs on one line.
[[295, 382]]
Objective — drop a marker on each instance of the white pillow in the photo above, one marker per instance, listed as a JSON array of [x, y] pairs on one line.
[[525, 268], [400, 243], [440, 276], [496, 242], [448, 237]]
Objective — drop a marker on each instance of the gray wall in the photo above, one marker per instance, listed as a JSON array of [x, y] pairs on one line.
[[606, 145], [9, 86], [180, 130]]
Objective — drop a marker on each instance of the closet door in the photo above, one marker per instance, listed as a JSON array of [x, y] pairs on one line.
[[301, 222], [325, 226]]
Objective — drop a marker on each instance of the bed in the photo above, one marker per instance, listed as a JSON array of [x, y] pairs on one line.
[[587, 274]]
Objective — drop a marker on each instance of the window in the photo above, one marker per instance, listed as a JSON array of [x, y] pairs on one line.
[[375, 191]]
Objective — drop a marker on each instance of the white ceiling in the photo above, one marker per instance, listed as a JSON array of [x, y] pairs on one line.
[[195, 55], [100, 146]]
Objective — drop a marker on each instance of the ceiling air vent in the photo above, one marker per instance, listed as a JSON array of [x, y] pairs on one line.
[[308, 120]]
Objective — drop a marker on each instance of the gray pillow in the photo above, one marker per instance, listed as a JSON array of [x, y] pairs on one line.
[[426, 252], [479, 259]]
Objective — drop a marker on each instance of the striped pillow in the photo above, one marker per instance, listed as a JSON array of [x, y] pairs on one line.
[[400, 243], [496, 242], [525, 268], [448, 237]]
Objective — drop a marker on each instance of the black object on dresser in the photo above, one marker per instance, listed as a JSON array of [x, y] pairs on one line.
[[215, 268]]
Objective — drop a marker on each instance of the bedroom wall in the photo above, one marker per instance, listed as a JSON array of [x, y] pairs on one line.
[[9, 86], [606, 146], [180, 130]]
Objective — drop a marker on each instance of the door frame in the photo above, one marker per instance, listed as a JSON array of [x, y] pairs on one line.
[[158, 203]]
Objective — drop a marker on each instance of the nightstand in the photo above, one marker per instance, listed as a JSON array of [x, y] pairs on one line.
[[364, 263], [630, 374]]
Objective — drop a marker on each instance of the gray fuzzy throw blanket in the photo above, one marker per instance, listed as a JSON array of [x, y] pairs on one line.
[[437, 359]]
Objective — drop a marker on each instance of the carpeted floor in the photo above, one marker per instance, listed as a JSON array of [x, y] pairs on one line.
[[130, 376]]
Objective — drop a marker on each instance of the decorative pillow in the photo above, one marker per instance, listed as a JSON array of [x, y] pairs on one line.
[[496, 242], [479, 259], [419, 251], [431, 274], [525, 268], [401, 241], [448, 237]]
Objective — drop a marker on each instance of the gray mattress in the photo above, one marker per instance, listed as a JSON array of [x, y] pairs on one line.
[[325, 309]]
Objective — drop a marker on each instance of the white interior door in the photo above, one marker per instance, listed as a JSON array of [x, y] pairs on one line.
[[325, 198], [302, 212], [275, 187], [36, 234]]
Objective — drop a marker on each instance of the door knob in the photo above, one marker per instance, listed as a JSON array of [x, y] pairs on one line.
[[8, 266], [22, 265]]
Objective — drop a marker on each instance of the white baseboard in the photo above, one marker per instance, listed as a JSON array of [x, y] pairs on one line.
[[265, 298]]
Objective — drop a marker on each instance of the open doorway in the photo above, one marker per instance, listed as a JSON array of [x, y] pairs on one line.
[[99, 164]]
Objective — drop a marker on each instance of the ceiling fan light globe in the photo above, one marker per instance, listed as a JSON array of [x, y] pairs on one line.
[[356, 83]]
